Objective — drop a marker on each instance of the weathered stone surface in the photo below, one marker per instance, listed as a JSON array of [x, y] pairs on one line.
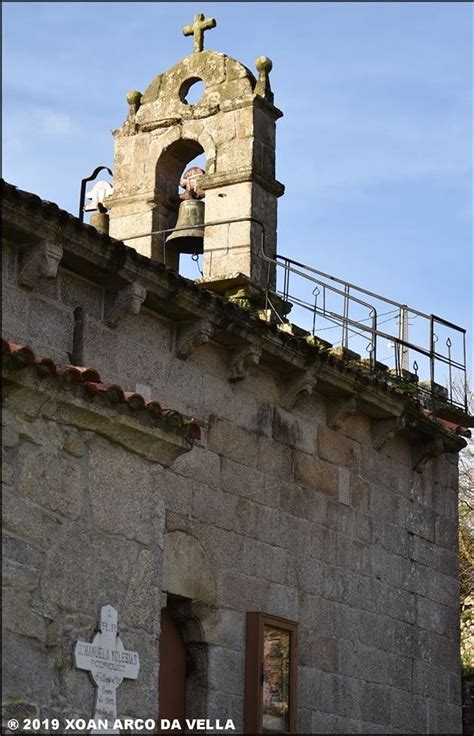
[[444, 717], [28, 520], [292, 431], [376, 703], [344, 485], [74, 444], [274, 458], [303, 502], [222, 627], [27, 669], [50, 327], [51, 479], [200, 465], [243, 480], [225, 669], [132, 700], [176, 491], [409, 711], [143, 596], [123, 500], [18, 576], [76, 290], [429, 680], [19, 618], [225, 438], [224, 510], [318, 615], [335, 448], [82, 563], [317, 474], [15, 313], [186, 569], [318, 651], [7, 469], [22, 552]]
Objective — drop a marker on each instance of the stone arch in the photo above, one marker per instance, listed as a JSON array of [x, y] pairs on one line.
[[169, 167], [190, 588], [181, 148], [187, 572], [183, 145]]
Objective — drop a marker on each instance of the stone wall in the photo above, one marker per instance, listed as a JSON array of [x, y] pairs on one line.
[[84, 522], [296, 519]]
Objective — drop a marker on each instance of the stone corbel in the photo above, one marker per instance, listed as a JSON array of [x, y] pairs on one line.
[[242, 360], [41, 261], [128, 301], [383, 430], [191, 335], [302, 385], [340, 410], [425, 451]]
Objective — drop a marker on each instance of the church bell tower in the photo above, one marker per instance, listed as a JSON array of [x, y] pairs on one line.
[[233, 125]]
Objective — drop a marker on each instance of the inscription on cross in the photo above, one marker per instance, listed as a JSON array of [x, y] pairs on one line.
[[108, 662], [197, 30]]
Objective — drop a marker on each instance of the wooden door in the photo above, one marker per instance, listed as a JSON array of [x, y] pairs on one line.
[[172, 680]]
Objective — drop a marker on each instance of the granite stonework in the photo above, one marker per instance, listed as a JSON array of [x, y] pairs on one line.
[[272, 510], [316, 493], [233, 124], [84, 526]]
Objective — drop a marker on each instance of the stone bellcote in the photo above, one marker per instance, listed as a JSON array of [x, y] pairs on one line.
[[233, 124]]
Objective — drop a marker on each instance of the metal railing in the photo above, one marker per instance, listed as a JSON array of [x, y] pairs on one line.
[[358, 320], [340, 313]]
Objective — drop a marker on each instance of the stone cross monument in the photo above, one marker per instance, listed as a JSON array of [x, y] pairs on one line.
[[233, 124], [108, 663], [197, 30]]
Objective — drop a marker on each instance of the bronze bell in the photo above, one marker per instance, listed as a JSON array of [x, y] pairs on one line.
[[191, 239]]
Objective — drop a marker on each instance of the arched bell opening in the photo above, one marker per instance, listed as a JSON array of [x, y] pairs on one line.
[[179, 204]]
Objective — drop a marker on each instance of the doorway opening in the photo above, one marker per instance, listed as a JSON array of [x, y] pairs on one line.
[[183, 663]]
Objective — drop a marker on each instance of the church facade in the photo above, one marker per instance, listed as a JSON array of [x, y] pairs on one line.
[[280, 546]]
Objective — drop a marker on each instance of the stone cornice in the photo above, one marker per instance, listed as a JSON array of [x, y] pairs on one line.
[[212, 181], [110, 263], [67, 404]]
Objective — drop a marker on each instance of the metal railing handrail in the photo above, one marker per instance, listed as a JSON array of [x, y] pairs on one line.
[[351, 286], [401, 343]]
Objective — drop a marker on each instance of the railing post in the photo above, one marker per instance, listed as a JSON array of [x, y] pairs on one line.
[[432, 364], [345, 326], [403, 335]]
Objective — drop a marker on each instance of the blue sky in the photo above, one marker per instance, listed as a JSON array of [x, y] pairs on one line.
[[374, 147]]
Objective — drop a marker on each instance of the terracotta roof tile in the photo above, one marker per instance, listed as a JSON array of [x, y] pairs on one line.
[[19, 356], [451, 426]]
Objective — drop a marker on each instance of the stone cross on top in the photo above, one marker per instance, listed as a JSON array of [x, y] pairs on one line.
[[197, 29], [108, 663]]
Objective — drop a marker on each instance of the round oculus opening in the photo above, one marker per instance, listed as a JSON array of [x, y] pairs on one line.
[[192, 90]]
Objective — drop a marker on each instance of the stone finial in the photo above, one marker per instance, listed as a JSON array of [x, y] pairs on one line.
[[262, 88], [197, 30], [134, 99]]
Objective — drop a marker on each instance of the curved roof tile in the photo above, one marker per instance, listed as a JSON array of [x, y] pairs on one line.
[[20, 356]]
